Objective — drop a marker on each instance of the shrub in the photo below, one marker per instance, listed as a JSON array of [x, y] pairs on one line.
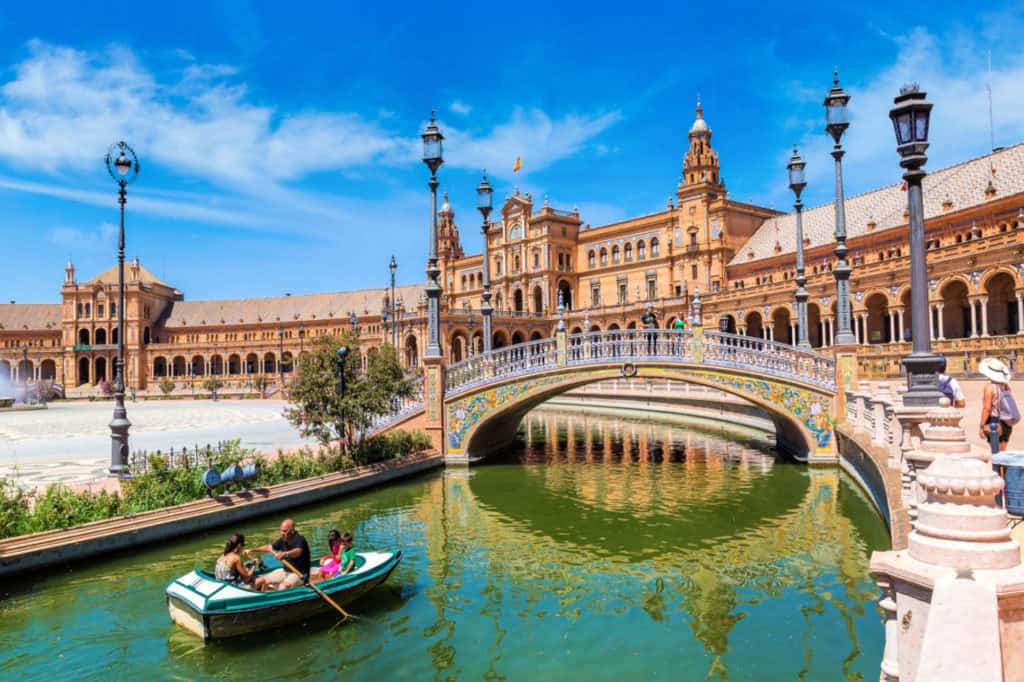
[[15, 518], [61, 507], [166, 386]]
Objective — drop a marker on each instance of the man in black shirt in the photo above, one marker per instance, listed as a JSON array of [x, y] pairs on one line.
[[291, 547]]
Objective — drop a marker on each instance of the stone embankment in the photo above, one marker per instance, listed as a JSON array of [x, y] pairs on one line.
[[39, 550]]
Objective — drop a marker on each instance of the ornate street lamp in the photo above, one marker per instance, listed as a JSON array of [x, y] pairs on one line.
[[836, 123], [797, 184], [24, 352], [342, 353], [123, 166], [393, 267], [433, 157], [909, 116], [302, 338], [484, 194]]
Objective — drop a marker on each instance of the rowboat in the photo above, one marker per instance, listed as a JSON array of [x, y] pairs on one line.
[[216, 609]]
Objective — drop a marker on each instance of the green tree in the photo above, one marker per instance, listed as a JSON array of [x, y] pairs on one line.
[[317, 409], [166, 386]]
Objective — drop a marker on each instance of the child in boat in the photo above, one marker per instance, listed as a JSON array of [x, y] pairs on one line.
[[330, 563], [348, 554], [231, 568]]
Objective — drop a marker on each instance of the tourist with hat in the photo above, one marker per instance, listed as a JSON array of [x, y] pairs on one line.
[[999, 413]]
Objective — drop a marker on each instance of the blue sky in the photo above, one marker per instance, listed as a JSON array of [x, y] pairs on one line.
[[280, 149]]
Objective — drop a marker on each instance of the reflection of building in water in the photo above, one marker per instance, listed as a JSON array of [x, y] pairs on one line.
[[696, 540]]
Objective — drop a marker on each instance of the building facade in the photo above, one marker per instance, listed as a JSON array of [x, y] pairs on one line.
[[739, 257]]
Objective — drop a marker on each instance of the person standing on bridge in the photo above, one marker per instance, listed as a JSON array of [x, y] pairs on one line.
[[650, 321]]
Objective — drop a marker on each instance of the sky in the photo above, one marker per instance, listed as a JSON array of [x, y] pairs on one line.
[[280, 152]]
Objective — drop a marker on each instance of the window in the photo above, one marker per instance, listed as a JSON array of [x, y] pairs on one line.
[[99, 310], [561, 261], [652, 287], [615, 255], [716, 286], [113, 309], [591, 259], [604, 257], [693, 239], [641, 250], [463, 282], [595, 295], [88, 309], [568, 262], [497, 265], [78, 310], [516, 264], [693, 272], [654, 248], [623, 292], [628, 253], [536, 260]]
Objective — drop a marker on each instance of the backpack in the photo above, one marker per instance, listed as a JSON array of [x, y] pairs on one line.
[[946, 386], [1008, 411]]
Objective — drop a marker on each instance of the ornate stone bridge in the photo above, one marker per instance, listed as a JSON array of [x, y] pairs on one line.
[[474, 406]]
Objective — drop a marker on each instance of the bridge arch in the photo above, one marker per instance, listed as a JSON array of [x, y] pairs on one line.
[[483, 419]]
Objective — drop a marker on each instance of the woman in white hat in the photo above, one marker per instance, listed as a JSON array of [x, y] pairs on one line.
[[998, 410]]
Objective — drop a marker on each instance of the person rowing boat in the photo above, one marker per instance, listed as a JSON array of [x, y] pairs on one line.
[[295, 549]]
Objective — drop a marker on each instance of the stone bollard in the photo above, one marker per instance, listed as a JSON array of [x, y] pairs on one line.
[[911, 461], [863, 392], [959, 584]]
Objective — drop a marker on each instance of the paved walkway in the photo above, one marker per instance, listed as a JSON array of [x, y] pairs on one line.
[[70, 441]]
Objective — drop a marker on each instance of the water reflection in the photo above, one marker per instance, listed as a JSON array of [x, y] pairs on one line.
[[601, 548]]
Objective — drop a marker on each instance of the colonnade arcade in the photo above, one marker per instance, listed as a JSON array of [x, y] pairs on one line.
[[30, 370]]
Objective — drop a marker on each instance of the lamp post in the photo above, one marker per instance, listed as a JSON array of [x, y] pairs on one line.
[[383, 324], [213, 373], [909, 115], [836, 123], [797, 184], [433, 157], [24, 352], [123, 166], [484, 194], [302, 337], [353, 320], [341, 354], [393, 266]]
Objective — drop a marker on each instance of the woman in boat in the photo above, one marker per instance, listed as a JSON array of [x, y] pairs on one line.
[[230, 567]]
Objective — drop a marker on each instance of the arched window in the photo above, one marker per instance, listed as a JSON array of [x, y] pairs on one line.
[[641, 250], [497, 265], [591, 259], [628, 249], [463, 282], [604, 257], [615, 254], [516, 268], [654, 248]]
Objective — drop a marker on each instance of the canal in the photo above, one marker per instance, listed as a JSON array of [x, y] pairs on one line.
[[601, 548]]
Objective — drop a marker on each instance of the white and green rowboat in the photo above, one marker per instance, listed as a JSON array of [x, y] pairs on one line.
[[215, 609]]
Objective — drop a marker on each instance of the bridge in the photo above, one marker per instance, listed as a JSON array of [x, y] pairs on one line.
[[473, 407]]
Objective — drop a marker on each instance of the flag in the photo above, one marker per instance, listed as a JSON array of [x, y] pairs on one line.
[[517, 165]]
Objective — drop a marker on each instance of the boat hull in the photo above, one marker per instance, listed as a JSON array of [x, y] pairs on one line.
[[305, 604]]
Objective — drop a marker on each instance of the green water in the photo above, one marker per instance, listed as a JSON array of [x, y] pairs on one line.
[[602, 549]]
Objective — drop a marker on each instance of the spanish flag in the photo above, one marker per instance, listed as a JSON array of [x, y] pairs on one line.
[[517, 165]]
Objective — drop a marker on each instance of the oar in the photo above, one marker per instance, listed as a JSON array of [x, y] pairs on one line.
[[316, 589]]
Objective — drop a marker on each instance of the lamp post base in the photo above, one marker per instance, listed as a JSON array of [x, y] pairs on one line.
[[922, 380]]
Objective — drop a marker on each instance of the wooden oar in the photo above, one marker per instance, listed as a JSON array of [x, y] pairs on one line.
[[316, 589]]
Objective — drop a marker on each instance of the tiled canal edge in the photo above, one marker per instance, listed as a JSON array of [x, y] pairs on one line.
[[39, 550]]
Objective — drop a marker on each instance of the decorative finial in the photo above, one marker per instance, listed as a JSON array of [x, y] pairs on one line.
[[835, 76], [545, 201]]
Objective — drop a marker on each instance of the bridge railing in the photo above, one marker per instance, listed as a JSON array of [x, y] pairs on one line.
[[630, 344], [400, 408], [507, 361], [745, 352], [665, 345]]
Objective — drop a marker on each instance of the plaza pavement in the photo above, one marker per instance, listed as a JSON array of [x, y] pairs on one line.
[[70, 441]]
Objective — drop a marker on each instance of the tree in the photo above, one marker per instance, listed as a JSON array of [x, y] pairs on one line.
[[316, 408], [260, 384], [166, 386], [212, 383]]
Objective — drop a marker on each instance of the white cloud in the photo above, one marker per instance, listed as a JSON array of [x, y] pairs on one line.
[[954, 76], [461, 108], [72, 237], [530, 134]]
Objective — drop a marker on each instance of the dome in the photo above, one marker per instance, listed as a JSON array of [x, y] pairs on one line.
[[446, 208], [699, 125]]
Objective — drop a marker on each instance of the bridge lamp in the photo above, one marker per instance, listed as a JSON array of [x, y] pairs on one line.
[[797, 182], [432, 156], [836, 122], [339, 359], [484, 197], [910, 115]]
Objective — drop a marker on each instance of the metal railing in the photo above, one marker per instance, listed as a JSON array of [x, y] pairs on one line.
[[656, 345]]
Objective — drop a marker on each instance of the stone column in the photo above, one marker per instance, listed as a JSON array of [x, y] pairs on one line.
[[792, 333], [893, 337], [940, 327], [974, 317], [931, 322], [1020, 313], [771, 331], [899, 325], [984, 315], [890, 655]]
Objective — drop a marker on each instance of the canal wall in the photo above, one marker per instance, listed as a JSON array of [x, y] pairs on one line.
[[56, 547]]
